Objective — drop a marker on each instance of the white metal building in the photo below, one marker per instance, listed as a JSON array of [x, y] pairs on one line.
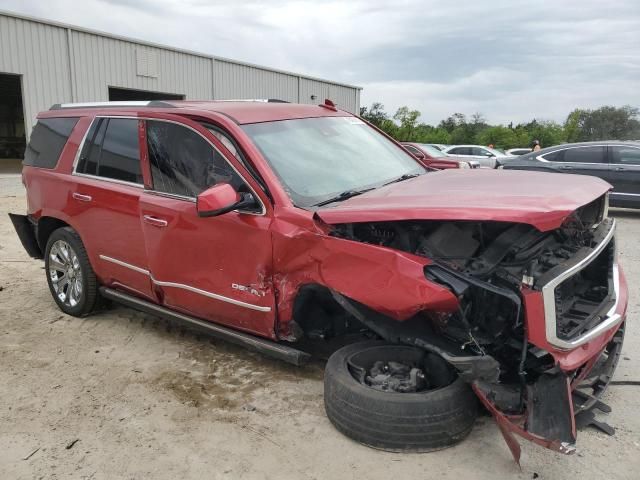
[[43, 63]]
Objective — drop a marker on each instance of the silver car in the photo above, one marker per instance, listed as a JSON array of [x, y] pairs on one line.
[[486, 156]]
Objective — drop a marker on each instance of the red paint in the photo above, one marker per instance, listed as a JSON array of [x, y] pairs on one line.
[[217, 197], [539, 199]]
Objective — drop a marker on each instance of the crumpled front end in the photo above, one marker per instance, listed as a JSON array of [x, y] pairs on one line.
[[539, 323]]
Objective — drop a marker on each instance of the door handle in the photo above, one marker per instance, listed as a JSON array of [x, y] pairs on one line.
[[566, 167], [81, 197], [156, 222], [619, 169]]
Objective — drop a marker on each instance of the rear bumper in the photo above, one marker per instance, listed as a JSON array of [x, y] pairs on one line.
[[26, 231]]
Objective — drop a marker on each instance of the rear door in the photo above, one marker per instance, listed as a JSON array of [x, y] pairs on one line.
[[104, 203], [216, 268], [624, 165]]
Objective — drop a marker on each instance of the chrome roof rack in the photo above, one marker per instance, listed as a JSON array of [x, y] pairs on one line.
[[145, 103]]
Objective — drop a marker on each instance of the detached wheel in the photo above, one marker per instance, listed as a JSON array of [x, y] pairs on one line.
[[397, 398], [71, 278]]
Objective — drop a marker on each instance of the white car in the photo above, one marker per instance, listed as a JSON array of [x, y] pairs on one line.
[[486, 156]]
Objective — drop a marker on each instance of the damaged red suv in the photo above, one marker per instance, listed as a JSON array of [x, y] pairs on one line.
[[297, 229]]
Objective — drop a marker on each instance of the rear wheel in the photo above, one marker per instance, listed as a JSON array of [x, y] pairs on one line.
[[397, 398], [71, 278]]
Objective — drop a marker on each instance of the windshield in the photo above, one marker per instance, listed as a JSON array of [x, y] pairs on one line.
[[316, 159], [431, 150]]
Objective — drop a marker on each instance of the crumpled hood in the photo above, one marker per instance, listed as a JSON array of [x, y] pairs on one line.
[[543, 200]]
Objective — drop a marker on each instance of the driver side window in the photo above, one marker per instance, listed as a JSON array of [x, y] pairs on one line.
[[183, 163]]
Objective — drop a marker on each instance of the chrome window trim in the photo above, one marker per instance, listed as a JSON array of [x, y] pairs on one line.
[[548, 295], [263, 209], [182, 286], [542, 159]]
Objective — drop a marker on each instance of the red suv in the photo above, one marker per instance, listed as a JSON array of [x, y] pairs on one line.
[[295, 229]]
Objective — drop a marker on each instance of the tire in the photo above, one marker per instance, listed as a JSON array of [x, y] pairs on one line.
[[79, 296], [421, 421]]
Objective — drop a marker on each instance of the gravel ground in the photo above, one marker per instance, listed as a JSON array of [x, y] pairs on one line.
[[119, 395]]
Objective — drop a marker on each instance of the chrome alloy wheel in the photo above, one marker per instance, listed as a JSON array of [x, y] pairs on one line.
[[65, 273]]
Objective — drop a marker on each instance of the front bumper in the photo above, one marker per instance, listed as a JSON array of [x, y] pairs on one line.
[[583, 364]]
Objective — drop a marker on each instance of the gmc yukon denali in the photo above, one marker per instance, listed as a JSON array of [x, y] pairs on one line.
[[297, 229]]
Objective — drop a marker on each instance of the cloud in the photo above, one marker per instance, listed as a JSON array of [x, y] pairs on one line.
[[509, 60]]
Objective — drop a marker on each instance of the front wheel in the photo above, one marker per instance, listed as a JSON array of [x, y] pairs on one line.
[[397, 398], [71, 278]]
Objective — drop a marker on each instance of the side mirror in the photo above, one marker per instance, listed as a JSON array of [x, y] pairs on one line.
[[220, 199]]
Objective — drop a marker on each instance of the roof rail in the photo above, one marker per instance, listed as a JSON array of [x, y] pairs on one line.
[[145, 103], [263, 100]]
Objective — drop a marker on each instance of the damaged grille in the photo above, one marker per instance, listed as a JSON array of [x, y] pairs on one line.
[[580, 293], [583, 300]]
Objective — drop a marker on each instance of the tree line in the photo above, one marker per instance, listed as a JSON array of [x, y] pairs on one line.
[[581, 125]]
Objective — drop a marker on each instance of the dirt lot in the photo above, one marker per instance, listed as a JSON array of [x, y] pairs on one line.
[[142, 401]]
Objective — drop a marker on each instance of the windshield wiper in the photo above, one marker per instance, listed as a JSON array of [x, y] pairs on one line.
[[343, 196], [401, 178]]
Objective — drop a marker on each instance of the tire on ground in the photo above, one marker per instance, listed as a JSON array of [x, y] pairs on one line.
[[398, 422], [89, 298]]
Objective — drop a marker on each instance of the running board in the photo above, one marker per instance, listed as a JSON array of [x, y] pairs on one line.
[[261, 345]]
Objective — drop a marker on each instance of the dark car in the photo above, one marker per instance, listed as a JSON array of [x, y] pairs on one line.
[[614, 161]]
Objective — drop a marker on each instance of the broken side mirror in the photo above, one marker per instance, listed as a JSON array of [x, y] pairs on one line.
[[220, 199]]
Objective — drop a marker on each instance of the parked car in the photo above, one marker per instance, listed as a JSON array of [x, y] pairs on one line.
[[518, 151], [616, 162], [434, 158], [439, 146], [306, 226], [486, 156]]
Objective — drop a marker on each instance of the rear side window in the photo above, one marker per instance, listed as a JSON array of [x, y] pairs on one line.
[[625, 155], [582, 155], [111, 150], [48, 138], [183, 163]]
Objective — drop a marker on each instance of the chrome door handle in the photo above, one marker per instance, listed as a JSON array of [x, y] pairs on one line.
[[156, 222], [566, 167], [619, 169], [81, 197]]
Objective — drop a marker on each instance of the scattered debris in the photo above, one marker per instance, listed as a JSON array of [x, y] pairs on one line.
[[31, 454], [249, 408], [72, 443]]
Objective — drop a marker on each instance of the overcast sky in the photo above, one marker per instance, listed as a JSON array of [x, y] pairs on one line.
[[510, 60]]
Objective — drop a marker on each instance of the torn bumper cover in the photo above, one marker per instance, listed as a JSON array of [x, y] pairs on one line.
[[584, 364]]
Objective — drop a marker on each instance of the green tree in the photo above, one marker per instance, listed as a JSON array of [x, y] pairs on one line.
[[604, 123], [408, 120], [374, 114]]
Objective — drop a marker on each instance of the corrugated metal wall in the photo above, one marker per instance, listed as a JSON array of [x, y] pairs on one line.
[[38, 52], [60, 63], [102, 62], [233, 80]]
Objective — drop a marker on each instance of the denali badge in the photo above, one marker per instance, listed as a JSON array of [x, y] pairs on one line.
[[250, 290]]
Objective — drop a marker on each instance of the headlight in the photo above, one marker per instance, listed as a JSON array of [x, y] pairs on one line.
[[464, 165]]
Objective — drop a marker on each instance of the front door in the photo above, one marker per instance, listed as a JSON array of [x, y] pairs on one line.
[[216, 268]]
